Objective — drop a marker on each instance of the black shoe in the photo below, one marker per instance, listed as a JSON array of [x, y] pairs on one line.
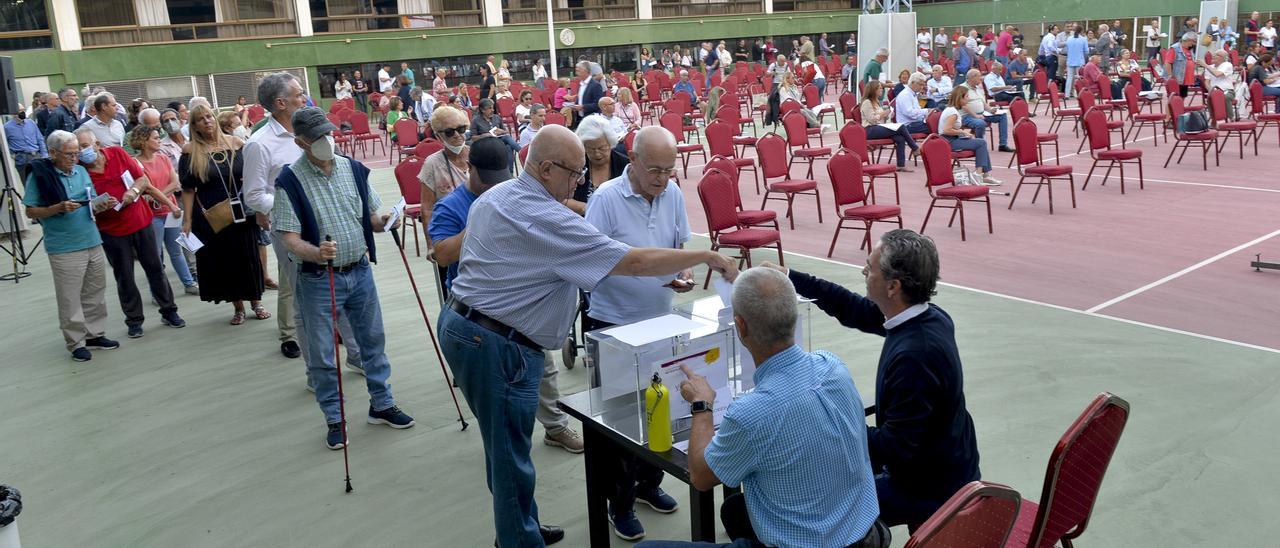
[[551, 534], [335, 439], [1005, 148], [81, 354], [171, 319], [101, 343], [135, 331], [290, 349]]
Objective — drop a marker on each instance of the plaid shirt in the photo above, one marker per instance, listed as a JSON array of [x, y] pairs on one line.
[[336, 203]]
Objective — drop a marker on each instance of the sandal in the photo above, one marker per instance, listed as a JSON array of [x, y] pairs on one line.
[[260, 312], [237, 318], [270, 284]]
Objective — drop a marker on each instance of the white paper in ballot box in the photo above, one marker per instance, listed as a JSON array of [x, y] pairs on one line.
[[710, 362]]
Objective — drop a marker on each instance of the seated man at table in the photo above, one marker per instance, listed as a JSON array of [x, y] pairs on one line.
[[975, 107], [797, 444], [923, 445]]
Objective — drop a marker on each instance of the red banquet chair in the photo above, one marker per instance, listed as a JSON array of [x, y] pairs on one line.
[[1040, 80], [1074, 476], [411, 188], [1244, 130], [798, 143], [1060, 114], [720, 140], [715, 191], [406, 137], [361, 133], [1024, 136], [729, 117], [256, 113], [426, 148], [848, 106], [1099, 139], [1019, 111], [941, 184], [813, 98], [672, 123], [1206, 140], [1258, 110], [980, 514], [1087, 103], [746, 217], [853, 137], [555, 118], [771, 149], [790, 105], [1139, 119], [845, 170]]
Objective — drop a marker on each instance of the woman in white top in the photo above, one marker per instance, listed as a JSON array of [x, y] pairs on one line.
[[874, 114], [1267, 35], [522, 107], [504, 71], [539, 74], [1125, 66], [960, 137], [1222, 76], [342, 88], [789, 90]]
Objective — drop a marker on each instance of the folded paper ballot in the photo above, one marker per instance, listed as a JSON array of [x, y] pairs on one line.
[[190, 242]]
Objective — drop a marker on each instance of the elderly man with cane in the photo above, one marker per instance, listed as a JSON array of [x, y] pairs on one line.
[[523, 259], [323, 195]]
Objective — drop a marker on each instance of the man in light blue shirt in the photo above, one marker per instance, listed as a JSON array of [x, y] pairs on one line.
[[797, 444], [641, 208], [907, 103], [26, 144], [1048, 54]]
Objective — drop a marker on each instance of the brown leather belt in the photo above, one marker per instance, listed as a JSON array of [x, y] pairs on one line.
[[493, 325]]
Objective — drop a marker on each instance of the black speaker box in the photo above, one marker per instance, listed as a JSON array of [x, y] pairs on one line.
[[8, 88]]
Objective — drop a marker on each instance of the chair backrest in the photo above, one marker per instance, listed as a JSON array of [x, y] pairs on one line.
[[845, 169], [1041, 81], [936, 152], [848, 105], [796, 127], [1055, 97], [979, 514], [407, 179], [684, 99], [256, 113], [427, 147], [1170, 87], [1104, 91], [1018, 109], [811, 95], [1176, 108], [1218, 105], [406, 132], [359, 123], [1257, 102], [1135, 79], [720, 137], [505, 107], [1076, 468], [1086, 100], [932, 120], [1131, 99], [628, 142], [853, 137], [523, 154], [1095, 129], [555, 118], [726, 165], [730, 99], [1024, 142], [716, 193], [671, 121], [789, 106], [771, 150], [729, 115], [653, 91], [337, 117]]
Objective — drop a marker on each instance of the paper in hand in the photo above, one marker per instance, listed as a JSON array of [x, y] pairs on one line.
[[189, 242], [396, 212], [724, 289]]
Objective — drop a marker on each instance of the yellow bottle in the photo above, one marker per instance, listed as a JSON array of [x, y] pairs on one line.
[[657, 406]]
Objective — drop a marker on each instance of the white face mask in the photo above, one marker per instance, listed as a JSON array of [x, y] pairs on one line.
[[455, 150], [322, 149], [241, 132]]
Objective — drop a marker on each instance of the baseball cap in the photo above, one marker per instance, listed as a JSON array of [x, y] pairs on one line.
[[310, 123], [491, 158]]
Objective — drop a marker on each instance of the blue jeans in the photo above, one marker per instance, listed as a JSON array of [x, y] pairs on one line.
[[357, 297], [821, 84], [1069, 90], [499, 379], [167, 239], [740, 543], [1268, 91], [978, 146], [901, 140], [979, 126]]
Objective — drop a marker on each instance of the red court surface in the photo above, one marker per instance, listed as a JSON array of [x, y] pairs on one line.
[[1174, 255]]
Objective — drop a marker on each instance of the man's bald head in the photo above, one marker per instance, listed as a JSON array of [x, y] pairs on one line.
[[556, 158], [653, 140], [653, 160]]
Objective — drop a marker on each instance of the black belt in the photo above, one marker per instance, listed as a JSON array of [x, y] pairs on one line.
[[313, 267], [493, 325]]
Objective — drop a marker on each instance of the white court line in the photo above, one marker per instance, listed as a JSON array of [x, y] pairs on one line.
[[1089, 313], [1185, 271]]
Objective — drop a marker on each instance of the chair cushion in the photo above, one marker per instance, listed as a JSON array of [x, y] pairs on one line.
[[756, 216], [749, 237], [1069, 112], [1051, 171], [794, 185], [1149, 117], [1046, 137], [873, 211], [963, 192], [1243, 125], [692, 147], [413, 211], [1021, 533], [876, 170], [744, 162], [811, 152], [1113, 124], [1206, 135], [744, 140], [1268, 117], [1119, 154]]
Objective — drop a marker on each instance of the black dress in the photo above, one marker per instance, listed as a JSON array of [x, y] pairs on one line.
[[228, 265]]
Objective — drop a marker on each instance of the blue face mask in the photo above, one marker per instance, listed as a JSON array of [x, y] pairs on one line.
[[88, 156]]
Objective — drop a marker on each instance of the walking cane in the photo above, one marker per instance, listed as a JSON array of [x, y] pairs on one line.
[[439, 356], [342, 402]]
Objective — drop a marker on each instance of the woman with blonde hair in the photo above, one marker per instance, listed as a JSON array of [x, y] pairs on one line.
[[447, 168], [211, 174], [628, 110], [788, 89], [439, 87], [951, 127], [874, 114]]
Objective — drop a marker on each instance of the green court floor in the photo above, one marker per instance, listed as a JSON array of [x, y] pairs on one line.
[[205, 436]]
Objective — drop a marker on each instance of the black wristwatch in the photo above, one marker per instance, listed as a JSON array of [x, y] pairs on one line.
[[700, 407]]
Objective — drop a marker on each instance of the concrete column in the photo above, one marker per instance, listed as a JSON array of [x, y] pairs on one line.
[[644, 9], [66, 24], [302, 14], [492, 13], [768, 6]]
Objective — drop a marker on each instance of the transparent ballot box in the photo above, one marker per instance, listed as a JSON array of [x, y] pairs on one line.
[[742, 369], [625, 359]]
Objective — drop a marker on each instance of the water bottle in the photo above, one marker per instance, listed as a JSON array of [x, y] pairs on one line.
[[657, 407]]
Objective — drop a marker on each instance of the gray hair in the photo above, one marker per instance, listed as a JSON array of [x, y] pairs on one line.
[[917, 78], [148, 112], [198, 100], [596, 70], [534, 108], [274, 86], [882, 52], [85, 130], [936, 67], [912, 259], [995, 64], [1189, 36], [58, 138], [971, 73], [594, 127], [765, 298], [584, 65], [650, 136]]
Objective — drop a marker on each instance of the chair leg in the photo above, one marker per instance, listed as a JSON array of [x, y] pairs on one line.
[[1121, 166], [991, 227], [1071, 182], [1141, 183], [1049, 183], [834, 237], [817, 199], [1172, 151], [960, 209], [1089, 176], [932, 203], [791, 198], [1018, 189]]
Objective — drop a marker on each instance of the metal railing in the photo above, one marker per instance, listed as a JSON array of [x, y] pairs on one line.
[[517, 16], [723, 7], [127, 35], [816, 5], [369, 22]]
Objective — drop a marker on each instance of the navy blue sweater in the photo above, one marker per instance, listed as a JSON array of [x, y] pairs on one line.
[[923, 434]]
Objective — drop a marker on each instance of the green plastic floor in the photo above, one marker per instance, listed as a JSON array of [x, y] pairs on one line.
[[205, 436]]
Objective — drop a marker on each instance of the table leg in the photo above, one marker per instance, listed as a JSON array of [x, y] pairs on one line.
[[597, 448], [702, 515]]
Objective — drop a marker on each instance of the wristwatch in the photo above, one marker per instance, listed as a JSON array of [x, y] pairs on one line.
[[700, 406]]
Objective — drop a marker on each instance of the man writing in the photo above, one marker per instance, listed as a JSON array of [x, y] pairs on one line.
[[996, 85], [797, 444], [523, 260], [323, 195], [923, 447], [907, 103]]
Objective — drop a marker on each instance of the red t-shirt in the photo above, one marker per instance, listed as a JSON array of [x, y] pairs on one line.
[[1189, 76], [158, 173], [131, 218]]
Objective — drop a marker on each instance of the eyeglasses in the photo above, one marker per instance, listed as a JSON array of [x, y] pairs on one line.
[[661, 171], [449, 132], [575, 175]]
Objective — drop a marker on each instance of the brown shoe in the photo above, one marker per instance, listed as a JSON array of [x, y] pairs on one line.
[[568, 439]]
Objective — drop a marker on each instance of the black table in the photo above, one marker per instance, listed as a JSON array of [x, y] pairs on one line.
[[602, 442]]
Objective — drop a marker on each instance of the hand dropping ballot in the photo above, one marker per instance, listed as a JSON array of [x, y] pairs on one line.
[[709, 363]]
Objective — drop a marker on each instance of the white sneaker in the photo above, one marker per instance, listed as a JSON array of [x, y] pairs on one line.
[[988, 180], [568, 439]]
